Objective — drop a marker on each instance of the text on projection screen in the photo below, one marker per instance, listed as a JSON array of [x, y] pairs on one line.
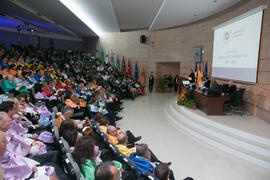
[[236, 49]]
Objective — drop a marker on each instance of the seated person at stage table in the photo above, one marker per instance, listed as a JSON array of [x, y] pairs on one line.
[[214, 89], [205, 83], [191, 76]]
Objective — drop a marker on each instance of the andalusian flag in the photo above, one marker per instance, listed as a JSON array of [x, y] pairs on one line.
[[101, 58], [142, 76], [199, 78], [117, 64], [136, 74]]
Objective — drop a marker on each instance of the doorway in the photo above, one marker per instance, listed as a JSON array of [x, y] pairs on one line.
[[166, 69]]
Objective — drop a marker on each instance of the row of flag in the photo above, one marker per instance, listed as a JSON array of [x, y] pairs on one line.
[[201, 71], [123, 66]]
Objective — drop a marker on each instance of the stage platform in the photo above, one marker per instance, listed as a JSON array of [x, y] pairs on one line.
[[245, 137]]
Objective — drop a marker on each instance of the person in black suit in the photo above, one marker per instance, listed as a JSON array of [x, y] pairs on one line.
[[191, 76], [176, 82], [151, 83]]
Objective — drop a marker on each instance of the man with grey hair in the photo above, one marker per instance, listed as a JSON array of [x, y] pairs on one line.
[[66, 115], [142, 158], [9, 86], [5, 122]]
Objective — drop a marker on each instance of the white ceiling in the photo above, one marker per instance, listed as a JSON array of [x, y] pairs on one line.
[[136, 14], [116, 15], [180, 12]]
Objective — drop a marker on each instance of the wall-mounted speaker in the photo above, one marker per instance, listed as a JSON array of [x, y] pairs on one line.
[[142, 39]]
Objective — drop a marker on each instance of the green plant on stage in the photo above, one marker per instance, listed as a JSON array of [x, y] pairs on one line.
[[161, 85]]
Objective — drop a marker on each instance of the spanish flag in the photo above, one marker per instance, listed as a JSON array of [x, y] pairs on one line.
[[199, 77]]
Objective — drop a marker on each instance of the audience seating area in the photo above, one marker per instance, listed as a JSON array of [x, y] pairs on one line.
[[58, 113]]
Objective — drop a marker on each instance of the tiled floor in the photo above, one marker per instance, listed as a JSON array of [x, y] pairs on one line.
[[145, 116]]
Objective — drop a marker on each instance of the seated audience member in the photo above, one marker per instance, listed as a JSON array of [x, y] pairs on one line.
[[70, 134], [18, 167], [20, 81], [83, 154], [20, 141], [31, 78], [48, 91], [112, 134], [125, 150], [103, 122], [39, 94], [5, 122], [142, 159], [107, 171], [38, 76], [24, 100], [9, 86], [4, 62], [122, 144], [67, 114], [4, 71], [71, 100], [162, 171], [12, 70], [51, 101], [47, 77]]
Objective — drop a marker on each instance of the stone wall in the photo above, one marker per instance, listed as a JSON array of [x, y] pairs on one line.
[[176, 45]]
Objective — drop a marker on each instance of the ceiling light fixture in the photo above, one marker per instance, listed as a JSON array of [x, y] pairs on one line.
[[76, 9]]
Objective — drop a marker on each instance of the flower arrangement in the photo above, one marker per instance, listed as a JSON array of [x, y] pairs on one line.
[[182, 98], [186, 99]]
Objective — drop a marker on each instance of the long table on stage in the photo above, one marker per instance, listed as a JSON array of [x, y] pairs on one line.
[[210, 105]]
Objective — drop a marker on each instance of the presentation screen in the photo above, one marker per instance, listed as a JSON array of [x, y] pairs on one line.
[[236, 49]]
